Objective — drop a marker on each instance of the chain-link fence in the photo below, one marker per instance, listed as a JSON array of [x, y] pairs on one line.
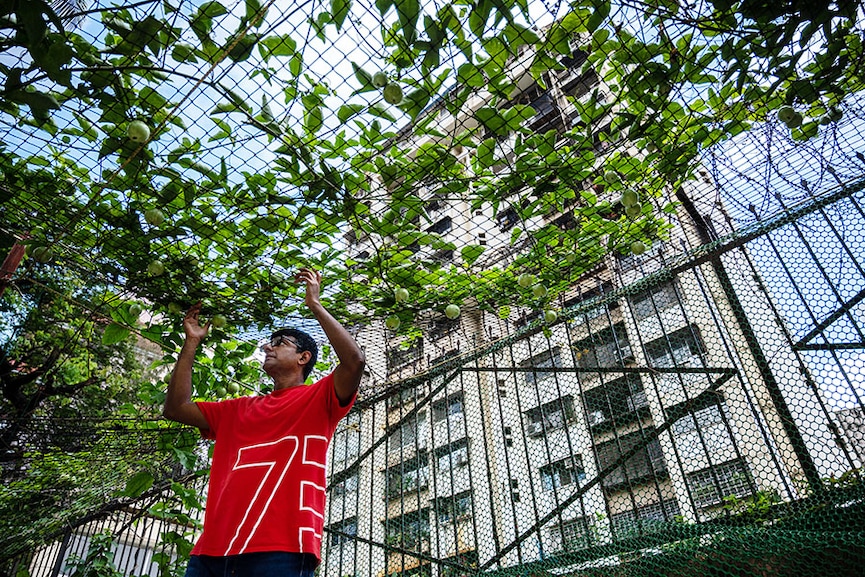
[[604, 259]]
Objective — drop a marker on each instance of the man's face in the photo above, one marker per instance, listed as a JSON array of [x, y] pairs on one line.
[[280, 353]]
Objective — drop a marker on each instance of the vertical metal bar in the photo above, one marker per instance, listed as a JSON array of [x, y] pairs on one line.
[[806, 462]]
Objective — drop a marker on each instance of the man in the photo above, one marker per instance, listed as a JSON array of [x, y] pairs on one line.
[[265, 504]]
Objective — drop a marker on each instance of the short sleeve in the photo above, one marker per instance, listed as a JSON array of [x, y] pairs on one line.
[[216, 413], [334, 409]]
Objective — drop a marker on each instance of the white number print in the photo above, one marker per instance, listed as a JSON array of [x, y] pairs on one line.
[[262, 455]]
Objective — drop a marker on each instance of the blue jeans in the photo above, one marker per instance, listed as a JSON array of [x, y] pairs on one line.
[[276, 564]]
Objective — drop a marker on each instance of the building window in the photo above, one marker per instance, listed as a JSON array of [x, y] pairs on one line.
[[452, 456], [548, 359], [408, 476], [401, 355], [652, 301], [646, 463], [346, 440], [680, 348], [451, 407], [349, 529], [644, 519], [348, 485], [443, 327], [587, 296], [467, 559], [615, 399], [454, 508], [607, 348], [410, 434], [507, 219], [550, 416], [573, 534], [409, 531], [442, 226], [568, 471], [402, 397], [566, 221], [709, 486], [703, 419]]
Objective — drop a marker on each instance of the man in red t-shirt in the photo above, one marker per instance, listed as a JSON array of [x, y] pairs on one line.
[[265, 504]]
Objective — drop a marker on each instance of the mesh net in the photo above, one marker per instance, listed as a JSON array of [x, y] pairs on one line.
[[605, 261]]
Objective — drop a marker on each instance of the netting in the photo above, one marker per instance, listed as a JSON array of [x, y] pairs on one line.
[[604, 259]]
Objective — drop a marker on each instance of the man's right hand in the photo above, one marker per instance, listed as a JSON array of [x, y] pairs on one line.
[[178, 399], [192, 327]]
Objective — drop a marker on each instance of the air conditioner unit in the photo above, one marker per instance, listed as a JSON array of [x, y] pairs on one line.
[[596, 417], [536, 428]]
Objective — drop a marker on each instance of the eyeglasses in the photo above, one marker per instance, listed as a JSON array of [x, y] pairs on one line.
[[278, 341]]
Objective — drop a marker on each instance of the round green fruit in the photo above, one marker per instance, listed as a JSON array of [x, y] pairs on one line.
[[638, 247], [452, 311], [633, 211], [786, 113], [154, 216], [392, 322], [155, 268], [233, 388], [539, 291], [43, 254], [611, 176], [393, 93], [401, 295], [550, 316], [795, 121], [629, 198], [832, 115], [221, 392], [135, 310], [137, 131], [526, 280], [379, 79], [218, 321]]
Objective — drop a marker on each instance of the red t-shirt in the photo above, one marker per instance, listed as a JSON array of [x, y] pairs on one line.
[[267, 479]]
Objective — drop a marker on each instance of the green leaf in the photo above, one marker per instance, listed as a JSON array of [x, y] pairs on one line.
[[224, 130], [492, 119], [364, 78], [383, 6], [339, 9], [313, 119], [253, 7], [471, 75], [409, 14], [486, 153], [471, 253], [138, 484], [283, 45], [114, 333], [380, 111], [346, 111]]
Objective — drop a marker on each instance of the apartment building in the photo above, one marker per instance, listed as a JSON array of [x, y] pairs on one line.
[[649, 405]]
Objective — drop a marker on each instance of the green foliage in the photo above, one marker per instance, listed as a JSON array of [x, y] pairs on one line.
[[233, 236], [99, 561]]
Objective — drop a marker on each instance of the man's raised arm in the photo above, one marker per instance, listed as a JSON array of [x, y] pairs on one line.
[[347, 375], [178, 401]]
